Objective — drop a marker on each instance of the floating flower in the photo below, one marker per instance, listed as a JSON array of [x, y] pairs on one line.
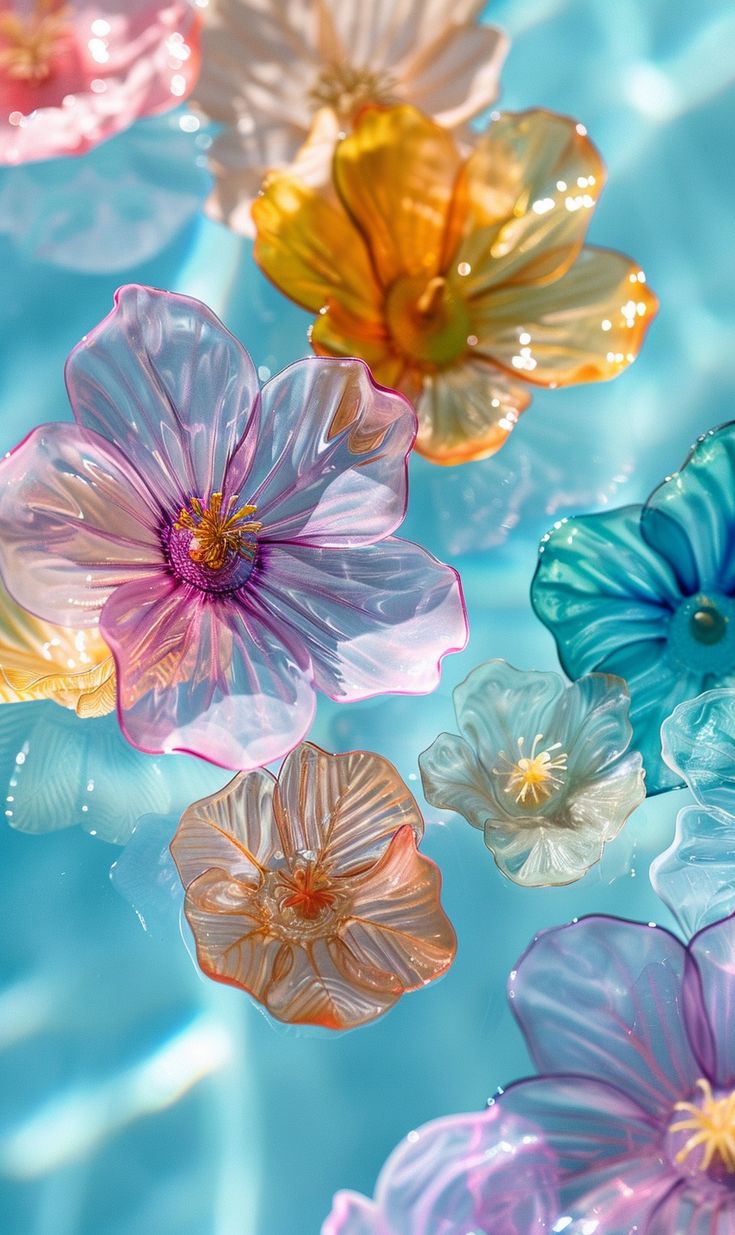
[[544, 770], [648, 592], [309, 892], [72, 75], [40, 661], [234, 546], [633, 1035], [695, 876], [266, 70], [461, 281], [461, 1175], [698, 744]]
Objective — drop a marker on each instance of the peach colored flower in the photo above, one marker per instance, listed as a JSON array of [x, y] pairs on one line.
[[268, 65], [72, 74], [309, 892], [462, 282]]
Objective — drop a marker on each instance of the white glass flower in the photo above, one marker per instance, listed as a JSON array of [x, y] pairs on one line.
[[269, 65]]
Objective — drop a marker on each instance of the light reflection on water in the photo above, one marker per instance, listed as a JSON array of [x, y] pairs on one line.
[[139, 1099]]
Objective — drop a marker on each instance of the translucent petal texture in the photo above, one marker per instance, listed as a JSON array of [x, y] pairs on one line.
[[467, 413], [627, 1201], [164, 380], [688, 1213], [77, 521], [479, 1172], [543, 769], [695, 876], [711, 978], [608, 599], [210, 676], [333, 934], [456, 76], [330, 444], [363, 614], [587, 326], [41, 661], [698, 743], [62, 771], [106, 67], [146, 877], [626, 980], [690, 518]]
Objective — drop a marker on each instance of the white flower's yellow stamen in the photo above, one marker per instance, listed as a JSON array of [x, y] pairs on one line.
[[346, 89], [218, 534], [533, 776], [712, 1125], [31, 41]]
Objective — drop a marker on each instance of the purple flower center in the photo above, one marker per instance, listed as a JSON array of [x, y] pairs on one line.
[[213, 545]]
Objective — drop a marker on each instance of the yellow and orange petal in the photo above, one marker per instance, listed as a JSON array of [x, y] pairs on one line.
[[38, 660], [467, 412]]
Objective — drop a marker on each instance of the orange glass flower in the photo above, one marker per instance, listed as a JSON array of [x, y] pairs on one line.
[[462, 281], [41, 661], [309, 891]]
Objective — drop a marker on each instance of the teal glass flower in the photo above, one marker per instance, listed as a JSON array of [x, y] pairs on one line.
[[543, 769], [648, 593]]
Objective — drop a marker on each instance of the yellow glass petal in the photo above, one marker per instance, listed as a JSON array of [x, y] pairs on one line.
[[41, 661], [528, 190], [311, 250], [396, 174], [586, 327], [467, 412]]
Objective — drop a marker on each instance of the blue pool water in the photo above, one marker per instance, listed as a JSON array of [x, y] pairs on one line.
[[139, 1098]]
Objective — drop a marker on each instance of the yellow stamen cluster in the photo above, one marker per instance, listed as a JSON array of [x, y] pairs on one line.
[[533, 776], [31, 41], [712, 1125], [218, 533]]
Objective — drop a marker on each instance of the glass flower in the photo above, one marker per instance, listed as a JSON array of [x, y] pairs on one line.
[[41, 661], [698, 744], [633, 1036], [695, 876], [309, 891], [648, 592], [58, 770], [234, 545], [267, 68], [460, 1175], [462, 281], [544, 770], [72, 74]]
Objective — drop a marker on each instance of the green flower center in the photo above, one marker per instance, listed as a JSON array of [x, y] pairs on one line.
[[428, 321]]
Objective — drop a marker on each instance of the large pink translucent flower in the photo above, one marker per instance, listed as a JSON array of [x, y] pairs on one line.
[[234, 545], [634, 1035], [73, 73], [309, 891]]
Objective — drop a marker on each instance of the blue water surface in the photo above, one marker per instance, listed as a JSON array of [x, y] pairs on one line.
[[139, 1098]]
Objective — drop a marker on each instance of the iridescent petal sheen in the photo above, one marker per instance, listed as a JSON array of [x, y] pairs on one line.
[[710, 982], [698, 743], [695, 876]]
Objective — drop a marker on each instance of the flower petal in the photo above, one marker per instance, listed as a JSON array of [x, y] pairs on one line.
[[603, 997], [625, 1200], [689, 1211], [374, 619], [234, 830], [396, 926], [453, 778], [330, 466], [457, 75], [352, 1214], [688, 519], [698, 743], [164, 379], [315, 986], [388, 30], [710, 984], [232, 940], [497, 704], [695, 876], [467, 412], [587, 326], [530, 186], [395, 174], [346, 808], [211, 677], [76, 521]]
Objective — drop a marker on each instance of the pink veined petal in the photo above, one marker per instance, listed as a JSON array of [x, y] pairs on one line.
[[709, 991], [234, 830], [76, 521], [233, 942], [479, 1172], [353, 1214], [330, 466], [345, 808], [374, 619], [457, 75], [626, 1203], [690, 1211], [205, 676], [317, 987], [164, 379], [604, 997], [396, 926]]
